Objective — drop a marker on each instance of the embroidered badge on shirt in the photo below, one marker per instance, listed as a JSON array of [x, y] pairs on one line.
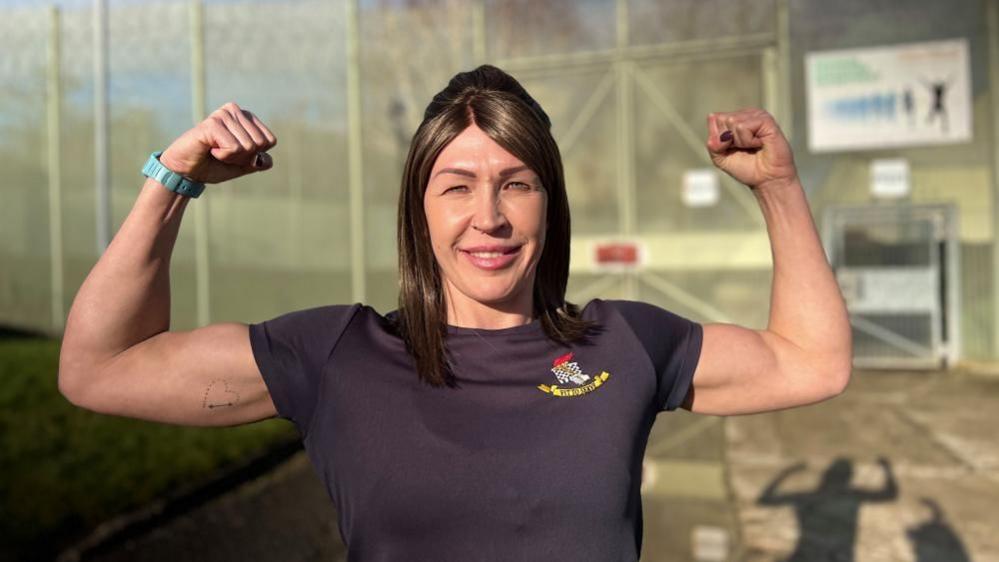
[[567, 371]]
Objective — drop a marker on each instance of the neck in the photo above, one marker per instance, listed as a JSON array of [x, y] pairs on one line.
[[465, 312]]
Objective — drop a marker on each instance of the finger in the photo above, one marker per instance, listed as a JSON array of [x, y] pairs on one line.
[[259, 140], [271, 138], [226, 146], [237, 130], [727, 122], [744, 131], [715, 131], [263, 161]]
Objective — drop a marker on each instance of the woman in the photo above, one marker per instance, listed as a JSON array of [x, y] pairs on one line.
[[487, 418]]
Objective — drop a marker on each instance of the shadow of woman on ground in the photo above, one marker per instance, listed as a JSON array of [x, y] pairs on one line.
[[827, 516]]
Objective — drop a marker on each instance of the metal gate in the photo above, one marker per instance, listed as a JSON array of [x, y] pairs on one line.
[[651, 100], [897, 268]]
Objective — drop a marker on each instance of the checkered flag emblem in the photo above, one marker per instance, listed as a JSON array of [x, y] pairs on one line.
[[566, 369]]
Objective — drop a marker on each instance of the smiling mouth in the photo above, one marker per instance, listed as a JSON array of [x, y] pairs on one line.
[[490, 254], [491, 258]]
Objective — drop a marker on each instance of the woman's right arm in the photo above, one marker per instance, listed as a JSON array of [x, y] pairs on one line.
[[118, 354]]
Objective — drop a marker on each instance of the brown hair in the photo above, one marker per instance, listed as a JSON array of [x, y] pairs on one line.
[[499, 105]]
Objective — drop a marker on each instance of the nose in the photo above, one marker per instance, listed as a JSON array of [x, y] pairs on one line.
[[488, 216]]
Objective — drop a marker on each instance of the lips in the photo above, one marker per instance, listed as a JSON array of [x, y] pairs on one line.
[[491, 258]]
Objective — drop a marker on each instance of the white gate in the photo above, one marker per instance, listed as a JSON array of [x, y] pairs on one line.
[[897, 268]]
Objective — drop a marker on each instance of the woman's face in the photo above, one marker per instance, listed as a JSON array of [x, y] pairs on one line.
[[486, 215]]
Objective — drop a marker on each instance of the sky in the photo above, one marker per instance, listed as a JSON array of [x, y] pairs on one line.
[[88, 3], [63, 3]]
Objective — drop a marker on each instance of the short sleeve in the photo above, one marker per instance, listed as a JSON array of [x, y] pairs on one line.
[[673, 344], [291, 351]]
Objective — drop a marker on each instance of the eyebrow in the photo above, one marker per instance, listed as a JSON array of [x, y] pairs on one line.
[[503, 173]]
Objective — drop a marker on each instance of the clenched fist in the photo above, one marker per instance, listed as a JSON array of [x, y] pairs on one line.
[[749, 146], [229, 143]]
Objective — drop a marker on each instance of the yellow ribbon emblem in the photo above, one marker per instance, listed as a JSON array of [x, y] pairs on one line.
[[577, 391]]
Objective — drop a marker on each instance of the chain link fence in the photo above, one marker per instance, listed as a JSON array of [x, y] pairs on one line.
[[627, 84]]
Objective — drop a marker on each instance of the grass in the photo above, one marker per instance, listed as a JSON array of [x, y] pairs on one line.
[[64, 470]]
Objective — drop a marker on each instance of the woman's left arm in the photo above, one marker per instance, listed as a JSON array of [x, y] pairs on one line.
[[805, 353]]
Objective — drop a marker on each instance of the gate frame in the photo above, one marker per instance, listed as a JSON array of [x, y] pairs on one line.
[[624, 71], [945, 220]]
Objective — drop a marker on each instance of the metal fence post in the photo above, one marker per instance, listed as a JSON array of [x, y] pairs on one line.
[[625, 139], [783, 105], [201, 248], [102, 148], [479, 31], [354, 154], [992, 25], [54, 103]]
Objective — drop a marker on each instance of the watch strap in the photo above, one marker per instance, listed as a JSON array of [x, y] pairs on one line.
[[170, 179]]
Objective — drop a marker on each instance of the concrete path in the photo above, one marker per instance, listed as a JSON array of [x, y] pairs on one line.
[[283, 516], [686, 500], [901, 467]]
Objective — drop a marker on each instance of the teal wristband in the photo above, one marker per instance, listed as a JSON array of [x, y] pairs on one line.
[[169, 179]]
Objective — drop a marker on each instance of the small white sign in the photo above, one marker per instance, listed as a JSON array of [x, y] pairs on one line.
[[898, 95], [710, 544], [890, 178], [700, 188]]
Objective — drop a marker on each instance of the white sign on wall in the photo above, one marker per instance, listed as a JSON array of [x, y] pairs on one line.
[[902, 95], [890, 178], [700, 187]]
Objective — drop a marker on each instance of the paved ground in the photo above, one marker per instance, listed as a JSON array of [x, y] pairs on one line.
[[284, 516], [684, 490], [902, 467]]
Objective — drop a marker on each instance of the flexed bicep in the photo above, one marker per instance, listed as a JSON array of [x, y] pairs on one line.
[[202, 377]]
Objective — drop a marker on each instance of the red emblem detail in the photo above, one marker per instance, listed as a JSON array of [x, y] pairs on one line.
[[562, 359]]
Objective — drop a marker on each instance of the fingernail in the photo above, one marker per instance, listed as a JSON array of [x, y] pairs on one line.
[[726, 136], [258, 161]]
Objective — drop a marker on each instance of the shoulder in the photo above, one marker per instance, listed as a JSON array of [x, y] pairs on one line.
[[597, 309], [634, 313], [310, 319], [659, 330], [313, 333]]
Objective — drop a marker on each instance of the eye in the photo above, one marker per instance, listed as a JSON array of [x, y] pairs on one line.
[[519, 186], [456, 189]]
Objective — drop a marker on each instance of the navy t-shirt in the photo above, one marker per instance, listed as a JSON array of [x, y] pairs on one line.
[[537, 455]]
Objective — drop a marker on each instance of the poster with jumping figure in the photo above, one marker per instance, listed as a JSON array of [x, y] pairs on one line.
[[891, 96]]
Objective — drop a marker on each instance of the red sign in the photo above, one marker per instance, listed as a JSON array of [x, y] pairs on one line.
[[617, 253]]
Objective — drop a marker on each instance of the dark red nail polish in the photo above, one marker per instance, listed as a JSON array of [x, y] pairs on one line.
[[726, 136]]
